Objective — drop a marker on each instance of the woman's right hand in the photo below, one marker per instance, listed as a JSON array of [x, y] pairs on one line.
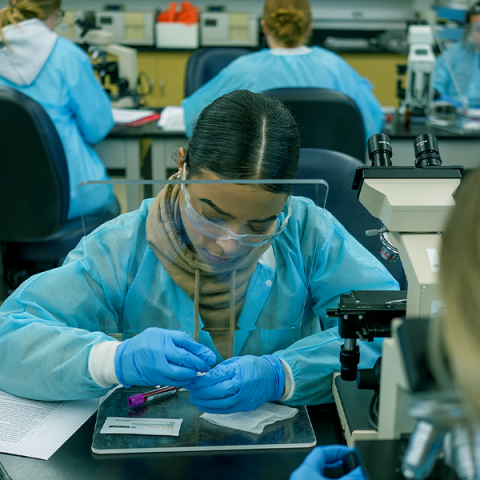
[[161, 357]]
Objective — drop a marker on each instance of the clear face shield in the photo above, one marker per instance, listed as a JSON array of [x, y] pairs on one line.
[[227, 261]]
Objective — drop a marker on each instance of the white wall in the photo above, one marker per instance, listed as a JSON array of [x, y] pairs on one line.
[[320, 8], [354, 14]]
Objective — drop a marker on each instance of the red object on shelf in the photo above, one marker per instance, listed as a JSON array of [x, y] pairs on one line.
[[142, 121], [168, 15], [188, 14]]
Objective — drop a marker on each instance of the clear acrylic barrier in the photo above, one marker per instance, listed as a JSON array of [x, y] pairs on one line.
[[136, 276]]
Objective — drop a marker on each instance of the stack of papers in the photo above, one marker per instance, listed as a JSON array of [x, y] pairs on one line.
[[32, 428], [172, 119], [132, 118]]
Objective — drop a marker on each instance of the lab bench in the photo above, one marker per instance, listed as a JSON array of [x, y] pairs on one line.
[[456, 146], [75, 460]]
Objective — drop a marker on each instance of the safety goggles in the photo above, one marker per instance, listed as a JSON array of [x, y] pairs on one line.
[[212, 230], [475, 9], [60, 16]]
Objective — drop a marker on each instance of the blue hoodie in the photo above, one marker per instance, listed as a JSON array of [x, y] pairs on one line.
[[58, 75]]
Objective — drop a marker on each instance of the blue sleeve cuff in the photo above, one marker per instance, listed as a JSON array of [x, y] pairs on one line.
[[118, 361], [279, 376]]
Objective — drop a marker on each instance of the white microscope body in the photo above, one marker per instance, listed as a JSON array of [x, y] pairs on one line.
[[101, 40], [420, 70], [413, 204], [414, 210]]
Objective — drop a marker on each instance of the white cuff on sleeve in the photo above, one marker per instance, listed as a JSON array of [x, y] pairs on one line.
[[289, 382], [101, 364]]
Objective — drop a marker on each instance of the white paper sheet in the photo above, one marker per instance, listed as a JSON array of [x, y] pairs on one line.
[[172, 119], [253, 421], [38, 429], [124, 116]]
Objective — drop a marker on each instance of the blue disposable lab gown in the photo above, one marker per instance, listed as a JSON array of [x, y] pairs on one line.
[[81, 112], [264, 70], [113, 282], [457, 74]]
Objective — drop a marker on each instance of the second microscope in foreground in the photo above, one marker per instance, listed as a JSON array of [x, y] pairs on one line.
[[413, 203]]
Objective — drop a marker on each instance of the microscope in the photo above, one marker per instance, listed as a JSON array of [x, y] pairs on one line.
[[443, 444], [413, 203], [121, 73], [419, 92]]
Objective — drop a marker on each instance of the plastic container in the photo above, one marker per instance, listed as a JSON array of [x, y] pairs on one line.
[[176, 35]]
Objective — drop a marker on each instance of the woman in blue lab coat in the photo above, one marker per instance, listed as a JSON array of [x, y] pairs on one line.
[[234, 275], [59, 76], [457, 70], [288, 63]]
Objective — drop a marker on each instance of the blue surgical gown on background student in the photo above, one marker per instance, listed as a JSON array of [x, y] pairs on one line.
[[312, 67], [457, 74], [113, 282], [58, 75]]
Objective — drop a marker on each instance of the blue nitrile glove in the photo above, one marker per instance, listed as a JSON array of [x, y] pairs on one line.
[[161, 357], [239, 384], [323, 458]]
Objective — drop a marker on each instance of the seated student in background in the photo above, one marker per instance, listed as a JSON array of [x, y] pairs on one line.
[[287, 63], [457, 69], [454, 340], [58, 75], [202, 275]]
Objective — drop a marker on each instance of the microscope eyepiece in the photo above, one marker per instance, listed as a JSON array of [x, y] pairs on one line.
[[380, 150], [426, 151]]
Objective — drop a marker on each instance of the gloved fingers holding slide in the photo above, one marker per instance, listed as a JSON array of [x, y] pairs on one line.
[[161, 357]]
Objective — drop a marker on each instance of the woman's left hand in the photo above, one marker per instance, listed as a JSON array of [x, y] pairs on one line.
[[238, 384]]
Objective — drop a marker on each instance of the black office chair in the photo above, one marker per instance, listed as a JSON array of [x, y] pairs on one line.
[[338, 170], [326, 119], [205, 63], [35, 234]]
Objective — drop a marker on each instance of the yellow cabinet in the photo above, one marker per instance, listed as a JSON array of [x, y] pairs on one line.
[[381, 70], [167, 72], [167, 69]]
